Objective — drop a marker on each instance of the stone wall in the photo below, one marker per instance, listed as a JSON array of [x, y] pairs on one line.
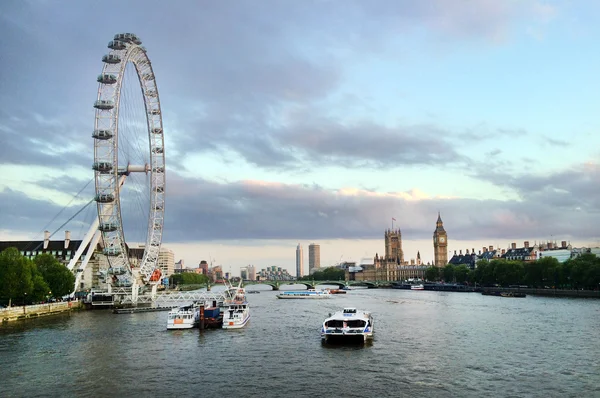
[[34, 311]]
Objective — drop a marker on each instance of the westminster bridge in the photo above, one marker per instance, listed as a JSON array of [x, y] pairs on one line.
[[310, 284]]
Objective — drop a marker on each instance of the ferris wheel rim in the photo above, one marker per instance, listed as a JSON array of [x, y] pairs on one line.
[[109, 176]]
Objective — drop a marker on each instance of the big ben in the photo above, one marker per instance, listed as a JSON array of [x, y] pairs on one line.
[[440, 244]]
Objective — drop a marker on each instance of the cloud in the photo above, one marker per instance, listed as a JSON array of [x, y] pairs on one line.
[[575, 189], [480, 19], [251, 210], [565, 203]]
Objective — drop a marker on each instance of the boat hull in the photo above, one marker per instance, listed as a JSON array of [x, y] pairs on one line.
[[236, 324], [346, 337], [179, 326]]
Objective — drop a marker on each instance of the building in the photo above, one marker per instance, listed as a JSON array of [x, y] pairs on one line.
[[299, 261], [203, 266], [166, 262], [526, 253], [468, 259], [274, 273], [393, 246], [391, 266], [440, 244], [179, 266], [215, 273], [251, 272], [314, 258], [550, 249]]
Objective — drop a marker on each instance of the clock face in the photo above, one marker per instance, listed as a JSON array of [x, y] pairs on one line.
[[442, 239]]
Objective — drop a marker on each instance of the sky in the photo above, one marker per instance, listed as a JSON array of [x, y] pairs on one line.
[[316, 121]]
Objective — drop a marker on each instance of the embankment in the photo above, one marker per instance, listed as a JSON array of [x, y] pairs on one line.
[[34, 311]]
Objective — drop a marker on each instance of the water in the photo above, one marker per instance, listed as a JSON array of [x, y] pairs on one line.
[[431, 344]]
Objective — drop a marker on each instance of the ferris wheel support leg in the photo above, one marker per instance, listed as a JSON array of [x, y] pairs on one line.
[[134, 292], [86, 260], [88, 237]]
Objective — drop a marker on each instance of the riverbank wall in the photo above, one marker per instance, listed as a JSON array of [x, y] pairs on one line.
[[35, 311], [547, 292]]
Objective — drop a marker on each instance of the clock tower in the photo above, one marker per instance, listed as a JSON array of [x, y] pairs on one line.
[[440, 244]]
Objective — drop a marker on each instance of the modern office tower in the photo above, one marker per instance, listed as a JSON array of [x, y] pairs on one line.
[[251, 272], [314, 258], [166, 262], [299, 261]]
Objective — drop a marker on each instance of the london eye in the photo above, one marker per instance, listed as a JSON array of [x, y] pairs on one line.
[[129, 162]]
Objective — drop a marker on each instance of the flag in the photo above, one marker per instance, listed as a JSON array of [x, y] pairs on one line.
[[393, 219]]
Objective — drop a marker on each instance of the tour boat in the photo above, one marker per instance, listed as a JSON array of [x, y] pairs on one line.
[[348, 325], [417, 287], [336, 291], [236, 315], [305, 294], [236, 310], [184, 317]]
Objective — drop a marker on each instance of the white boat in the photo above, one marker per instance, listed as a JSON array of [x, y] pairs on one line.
[[349, 324], [417, 287], [236, 310], [236, 315], [184, 317], [305, 294]]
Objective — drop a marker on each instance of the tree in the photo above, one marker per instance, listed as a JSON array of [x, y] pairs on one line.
[[461, 273], [327, 274], [41, 291], [448, 273], [432, 273], [16, 281], [188, 278], [60, 281]]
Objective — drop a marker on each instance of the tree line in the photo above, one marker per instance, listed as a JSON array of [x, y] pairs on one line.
[[188, 278], [23, 280], [326, 274], [582, 272]]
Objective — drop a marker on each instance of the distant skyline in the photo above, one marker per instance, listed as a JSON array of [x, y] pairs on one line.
[[315, 121]]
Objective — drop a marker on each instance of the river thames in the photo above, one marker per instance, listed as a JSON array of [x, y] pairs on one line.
[[432, 344]]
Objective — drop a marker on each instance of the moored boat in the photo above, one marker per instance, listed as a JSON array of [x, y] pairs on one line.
[[236, 315], [417, 287], [512, 294], [348, 325], [305, 294], [236, 310], [184, 317]]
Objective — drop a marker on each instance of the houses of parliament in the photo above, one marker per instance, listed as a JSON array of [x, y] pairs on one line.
[[392, 266]]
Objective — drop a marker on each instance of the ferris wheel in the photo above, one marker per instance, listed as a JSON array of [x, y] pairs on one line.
[[129, 145]]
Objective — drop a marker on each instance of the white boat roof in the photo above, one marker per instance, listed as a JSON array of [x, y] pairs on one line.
[[349, 313]]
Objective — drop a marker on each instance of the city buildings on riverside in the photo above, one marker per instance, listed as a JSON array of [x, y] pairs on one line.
[[314, 258], [299, 261], [528, 252], [248, 273], [274, 273]]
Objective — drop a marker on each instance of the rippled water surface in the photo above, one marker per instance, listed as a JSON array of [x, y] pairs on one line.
[[433, 344]]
